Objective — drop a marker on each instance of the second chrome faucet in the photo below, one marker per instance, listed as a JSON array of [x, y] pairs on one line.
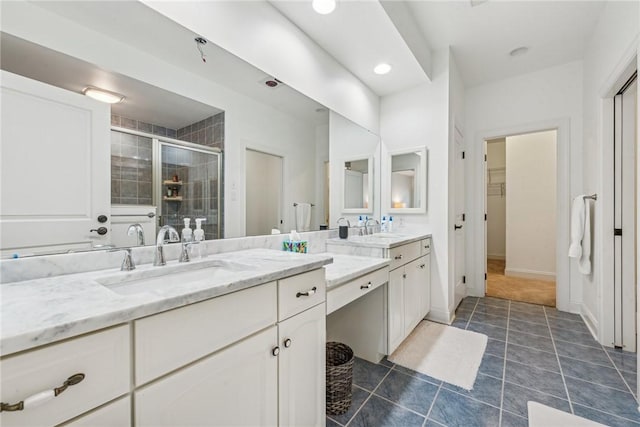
[[162, 238]]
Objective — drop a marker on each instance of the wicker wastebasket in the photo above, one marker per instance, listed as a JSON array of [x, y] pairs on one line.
[[339, 377]]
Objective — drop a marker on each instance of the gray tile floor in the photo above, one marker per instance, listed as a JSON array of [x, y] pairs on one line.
[[533, 353]]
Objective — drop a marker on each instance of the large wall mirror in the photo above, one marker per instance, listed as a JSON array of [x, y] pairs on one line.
[[354, 170], [406, 181], [175, 148]]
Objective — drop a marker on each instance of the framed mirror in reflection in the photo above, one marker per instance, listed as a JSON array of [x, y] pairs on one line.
[[155, 158], [358, 185], [407, 181]]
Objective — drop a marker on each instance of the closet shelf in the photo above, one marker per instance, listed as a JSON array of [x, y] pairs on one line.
[[172, 199], [172, 183]]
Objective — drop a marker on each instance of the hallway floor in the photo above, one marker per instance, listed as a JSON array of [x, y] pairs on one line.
[[533, 353], [517, 288]]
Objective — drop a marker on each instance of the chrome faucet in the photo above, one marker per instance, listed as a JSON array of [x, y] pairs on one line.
[[127, 262], [138, 231], [368, 231], [158, 258]]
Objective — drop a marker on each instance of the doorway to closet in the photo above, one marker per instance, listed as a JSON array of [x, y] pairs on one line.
[[520, 200]]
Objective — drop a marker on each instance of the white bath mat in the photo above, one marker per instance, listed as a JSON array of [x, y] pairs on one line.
[[544, 416], [443, 352]]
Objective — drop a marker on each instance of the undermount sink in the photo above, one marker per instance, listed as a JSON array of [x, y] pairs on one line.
[[387, 235], [155, 278]]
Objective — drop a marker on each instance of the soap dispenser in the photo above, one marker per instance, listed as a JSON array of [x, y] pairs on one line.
[[187, 233], [198, 235]]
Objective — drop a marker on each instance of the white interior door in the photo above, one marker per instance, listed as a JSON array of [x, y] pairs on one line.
[[461, 288], [55, 168], [625, 217], [263, 193]]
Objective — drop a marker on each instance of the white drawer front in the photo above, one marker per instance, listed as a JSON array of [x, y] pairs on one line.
[[169, 340], [403, 254], [343, 295], [297, 293], [425, 246], [114, 414], [104, 358]]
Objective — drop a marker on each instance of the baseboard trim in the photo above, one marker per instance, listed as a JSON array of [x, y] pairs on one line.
[[590, 320], [496, 256], [440, 316], [530, 274]]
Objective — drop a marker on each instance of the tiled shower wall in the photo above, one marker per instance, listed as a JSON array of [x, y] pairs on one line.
[[131, 169]]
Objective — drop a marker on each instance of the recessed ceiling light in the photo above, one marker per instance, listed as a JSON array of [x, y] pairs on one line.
[[103, 95], [519, 51], [323, 7], [382, 68]]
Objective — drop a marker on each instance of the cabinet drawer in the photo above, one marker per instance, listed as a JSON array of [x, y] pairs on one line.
[[297, 293], [343, 295], [117, 413], [425, 246], [169, 340], [103, 357], [403, 254]]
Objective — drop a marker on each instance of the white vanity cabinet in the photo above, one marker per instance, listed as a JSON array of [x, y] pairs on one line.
[[409, 290], [254, 357], [104, 359]]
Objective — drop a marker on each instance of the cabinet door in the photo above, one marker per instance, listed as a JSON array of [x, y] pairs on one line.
[[302, 364], [395, 309], [117, 413], [424, 282], [54, 176], [236, 387], [412, 296]]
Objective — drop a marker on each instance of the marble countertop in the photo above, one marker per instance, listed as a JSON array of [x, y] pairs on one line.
[[42, 311], [348, 267], [380, 240]]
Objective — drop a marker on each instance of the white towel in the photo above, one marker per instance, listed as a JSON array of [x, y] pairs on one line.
[[581, 234], [303, 216]]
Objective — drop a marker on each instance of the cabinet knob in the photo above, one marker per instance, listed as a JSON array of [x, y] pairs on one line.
[[307, 293], [100, 230], [275, 351], [422, 265], [287, 343], [404, 275], [367, 286], [398, 256], [41, 397]]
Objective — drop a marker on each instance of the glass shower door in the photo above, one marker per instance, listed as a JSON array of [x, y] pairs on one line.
[[190, 187]]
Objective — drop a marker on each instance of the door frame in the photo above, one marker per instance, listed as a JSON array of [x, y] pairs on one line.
[[624, 70], [564, 295]]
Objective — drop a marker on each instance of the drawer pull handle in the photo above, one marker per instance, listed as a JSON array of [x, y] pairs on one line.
[[275, 351], [287, 343], [422, 265], [398, 256], [367, 286], [42, 397], [426, 246], [307, 293]]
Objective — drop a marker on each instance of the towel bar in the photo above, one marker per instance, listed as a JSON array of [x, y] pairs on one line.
[[592, 197]]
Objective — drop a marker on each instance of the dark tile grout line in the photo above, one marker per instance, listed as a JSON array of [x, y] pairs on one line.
[[504, 364], [564, 382]]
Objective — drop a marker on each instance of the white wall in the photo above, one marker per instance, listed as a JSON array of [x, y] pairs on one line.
[[256, 32], [542, 100], [247, 123], [531, 205], [611, 49], [419, 117], [496, 203]]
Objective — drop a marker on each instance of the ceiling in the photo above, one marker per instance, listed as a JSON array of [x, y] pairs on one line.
[[481, 37], [125, 21], [359, 33]]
